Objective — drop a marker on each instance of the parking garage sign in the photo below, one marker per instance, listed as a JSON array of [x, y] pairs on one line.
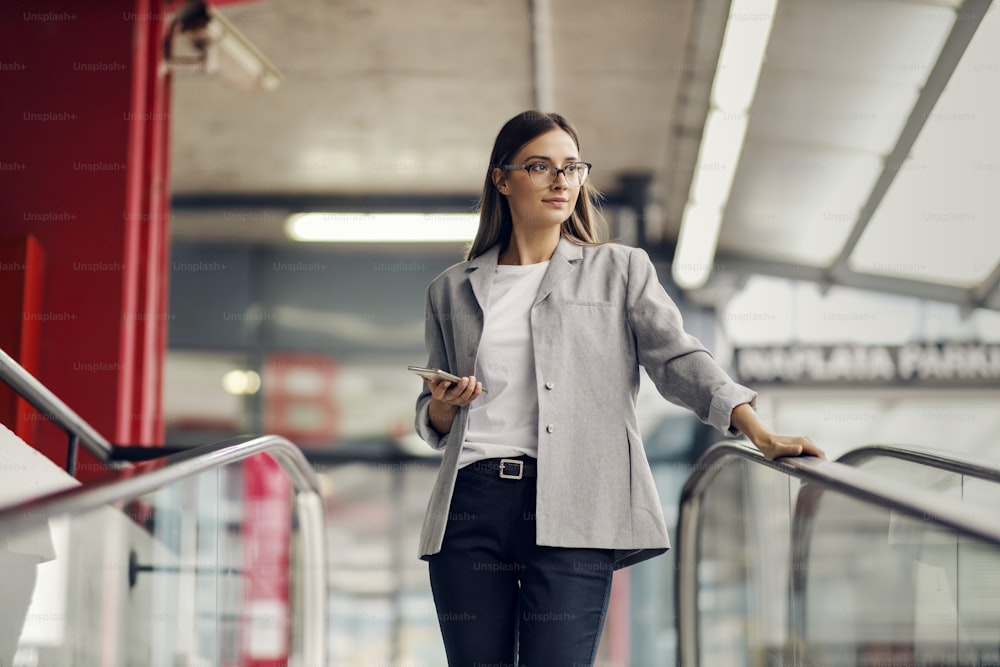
[[951, 364]]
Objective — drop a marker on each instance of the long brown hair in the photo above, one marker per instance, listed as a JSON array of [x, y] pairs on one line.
[[585, 225]]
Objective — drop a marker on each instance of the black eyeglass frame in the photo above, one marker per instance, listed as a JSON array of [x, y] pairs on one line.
[[526, 167]]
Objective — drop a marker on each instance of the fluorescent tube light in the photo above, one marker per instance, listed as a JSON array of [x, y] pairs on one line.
[[696, 246], [718, 156], [382, 227], [740, 60], [742, 54]]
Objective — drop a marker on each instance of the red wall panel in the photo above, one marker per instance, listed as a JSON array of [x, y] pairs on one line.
[[80, 148]]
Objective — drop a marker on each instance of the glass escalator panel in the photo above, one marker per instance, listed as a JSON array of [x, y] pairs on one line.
[[791, 573], [875, 586], [743, 565], [200, 572]]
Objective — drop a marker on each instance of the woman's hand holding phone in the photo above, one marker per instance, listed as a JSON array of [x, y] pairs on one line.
[[448, 388], [460, 393]]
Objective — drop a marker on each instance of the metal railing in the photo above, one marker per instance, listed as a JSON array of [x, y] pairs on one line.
[[926, 456], [308, 504], [52, 407], [822, 475]]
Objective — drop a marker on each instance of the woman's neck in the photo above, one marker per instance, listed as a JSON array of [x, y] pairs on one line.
[[527, 248]]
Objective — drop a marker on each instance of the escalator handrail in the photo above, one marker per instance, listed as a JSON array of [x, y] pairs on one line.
[[928, 456], [177, 467], [965, 519], [52, 407]]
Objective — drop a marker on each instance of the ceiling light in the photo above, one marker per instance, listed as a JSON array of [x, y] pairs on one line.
[[742, 56], [719, 155], [696, 243], [733, 89], [382, 227]]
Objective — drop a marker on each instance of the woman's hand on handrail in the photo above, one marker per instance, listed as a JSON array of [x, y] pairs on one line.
[[772, 446]]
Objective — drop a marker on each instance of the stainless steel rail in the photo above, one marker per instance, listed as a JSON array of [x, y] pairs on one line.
[[928, 456], [308, 503], [50, 405], [858, 484]]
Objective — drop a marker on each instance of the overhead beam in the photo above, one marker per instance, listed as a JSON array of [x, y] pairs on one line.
[[968, 17], [988, 293], [918, 289]]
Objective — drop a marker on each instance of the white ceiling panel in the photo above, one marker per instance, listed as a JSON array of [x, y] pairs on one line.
[[827, 110], [841, 113], [872, 40], [940, 221], [793, 204]]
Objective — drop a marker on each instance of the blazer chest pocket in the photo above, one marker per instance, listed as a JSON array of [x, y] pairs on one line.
[[591, 323]]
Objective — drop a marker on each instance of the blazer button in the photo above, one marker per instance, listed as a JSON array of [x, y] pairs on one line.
[[550, 428], [550, 385]]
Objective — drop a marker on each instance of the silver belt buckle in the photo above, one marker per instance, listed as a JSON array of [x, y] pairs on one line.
[[520, 468]]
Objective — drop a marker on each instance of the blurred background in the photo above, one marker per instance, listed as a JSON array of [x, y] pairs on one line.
[[864, 186], [815, 181]]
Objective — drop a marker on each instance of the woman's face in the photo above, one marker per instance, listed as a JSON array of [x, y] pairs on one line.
[[532, 205]]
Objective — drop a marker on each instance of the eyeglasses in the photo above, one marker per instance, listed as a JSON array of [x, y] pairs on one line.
[[543, 174]]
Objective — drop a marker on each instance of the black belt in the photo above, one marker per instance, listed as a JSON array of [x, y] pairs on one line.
[[523, 466]]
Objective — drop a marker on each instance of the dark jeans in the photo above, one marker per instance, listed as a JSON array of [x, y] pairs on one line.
[[499, 596]]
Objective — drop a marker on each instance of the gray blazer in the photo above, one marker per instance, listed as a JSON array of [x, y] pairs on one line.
[[599, 314]]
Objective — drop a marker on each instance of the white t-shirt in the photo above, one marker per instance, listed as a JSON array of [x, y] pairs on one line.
[[503, 423]]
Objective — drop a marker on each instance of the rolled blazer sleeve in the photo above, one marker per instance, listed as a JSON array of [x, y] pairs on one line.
[[437, 358], [683, 371]]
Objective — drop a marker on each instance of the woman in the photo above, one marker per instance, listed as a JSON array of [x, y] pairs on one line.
[[544, 488]]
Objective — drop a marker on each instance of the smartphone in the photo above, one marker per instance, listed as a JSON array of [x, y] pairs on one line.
[[434, 374]]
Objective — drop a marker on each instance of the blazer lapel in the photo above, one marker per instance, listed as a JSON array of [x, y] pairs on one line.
[[480, 271], [564, 262]]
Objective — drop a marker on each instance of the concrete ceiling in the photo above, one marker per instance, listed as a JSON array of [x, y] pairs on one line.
[[405, 98]]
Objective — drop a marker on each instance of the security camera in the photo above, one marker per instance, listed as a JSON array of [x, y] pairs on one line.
[[217, 48]]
